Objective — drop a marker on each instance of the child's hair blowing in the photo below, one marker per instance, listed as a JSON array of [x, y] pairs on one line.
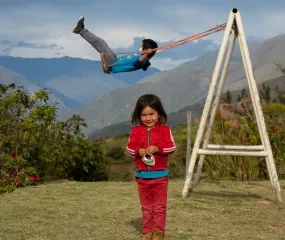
[[152, 101]]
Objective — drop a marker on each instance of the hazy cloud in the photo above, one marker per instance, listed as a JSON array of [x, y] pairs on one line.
[[8, 46], [43, 28]]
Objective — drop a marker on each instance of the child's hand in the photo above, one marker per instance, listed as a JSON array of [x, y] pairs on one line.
[[151, 149], [142, 152], [148, 51]]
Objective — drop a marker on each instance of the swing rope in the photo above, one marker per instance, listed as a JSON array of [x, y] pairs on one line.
[[193, 37]]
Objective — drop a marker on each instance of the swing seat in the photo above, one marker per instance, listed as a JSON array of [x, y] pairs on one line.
[[105, 67]]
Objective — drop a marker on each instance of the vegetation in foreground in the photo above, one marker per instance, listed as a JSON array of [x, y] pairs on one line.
[[36, 148]]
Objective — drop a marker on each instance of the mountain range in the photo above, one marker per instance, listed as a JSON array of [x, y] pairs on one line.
[[180, 116], [182, 86], [105, 101], [73, 82]]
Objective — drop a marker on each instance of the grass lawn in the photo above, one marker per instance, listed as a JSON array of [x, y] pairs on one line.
[[111, 210]]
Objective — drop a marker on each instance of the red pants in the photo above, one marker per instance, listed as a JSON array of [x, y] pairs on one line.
[[153, 198]]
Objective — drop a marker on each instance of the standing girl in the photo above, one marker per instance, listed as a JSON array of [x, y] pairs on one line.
[[150, 142]]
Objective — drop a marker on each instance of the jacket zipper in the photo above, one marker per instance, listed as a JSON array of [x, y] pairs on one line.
[[148, 143]]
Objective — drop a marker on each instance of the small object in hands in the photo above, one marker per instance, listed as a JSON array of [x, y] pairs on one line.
[[148, 159]]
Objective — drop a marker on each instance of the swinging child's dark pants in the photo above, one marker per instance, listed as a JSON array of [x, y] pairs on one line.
[[100, 45]]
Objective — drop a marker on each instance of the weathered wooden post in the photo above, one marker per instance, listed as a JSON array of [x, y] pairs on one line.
[[188, 148], [234, 27]]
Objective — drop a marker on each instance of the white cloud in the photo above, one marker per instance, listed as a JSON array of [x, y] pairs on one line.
[[267, 25], [32, 53], [44, 23], [75, 46], [167, 63]]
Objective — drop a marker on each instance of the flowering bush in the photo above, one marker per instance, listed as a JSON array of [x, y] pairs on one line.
[[35, 147], [15, 172]]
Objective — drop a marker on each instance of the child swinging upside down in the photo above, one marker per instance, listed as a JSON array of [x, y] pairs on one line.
[[111, 62], [150, 143]]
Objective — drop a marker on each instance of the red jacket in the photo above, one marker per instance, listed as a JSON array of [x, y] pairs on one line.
[[160, 136]]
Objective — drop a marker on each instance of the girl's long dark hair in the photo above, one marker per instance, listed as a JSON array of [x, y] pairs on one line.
[[148, 100]]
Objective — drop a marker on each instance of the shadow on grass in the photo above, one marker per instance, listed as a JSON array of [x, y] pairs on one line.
[[136, 223], [229, 195]]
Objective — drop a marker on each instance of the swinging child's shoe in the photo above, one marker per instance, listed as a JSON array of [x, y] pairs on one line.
[[146, 236], [157, 236], [79, 25]]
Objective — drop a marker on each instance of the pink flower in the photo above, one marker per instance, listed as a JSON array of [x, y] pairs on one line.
[[14, 155], [17, 182], [35, 178]]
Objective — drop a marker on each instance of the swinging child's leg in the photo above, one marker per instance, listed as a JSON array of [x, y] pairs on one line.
[[98, 43]]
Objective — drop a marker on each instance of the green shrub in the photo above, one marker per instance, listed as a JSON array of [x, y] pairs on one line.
[[116, 153], [35, 147]]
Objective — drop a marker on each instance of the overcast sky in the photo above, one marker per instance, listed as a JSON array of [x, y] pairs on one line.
[[42, 28]]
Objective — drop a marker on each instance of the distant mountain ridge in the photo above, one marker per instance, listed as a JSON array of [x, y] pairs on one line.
[[180, 116], [74, 81], [182, 86], [110, 99], [7, 77]]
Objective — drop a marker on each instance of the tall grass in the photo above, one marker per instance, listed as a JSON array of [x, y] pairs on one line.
[[235, 124]]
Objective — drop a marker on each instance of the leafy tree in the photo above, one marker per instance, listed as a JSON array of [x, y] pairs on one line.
[[279, 67], [280, 95], [116, 153], [35, 147], [265, 93], [242, 95], [228, 97]]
